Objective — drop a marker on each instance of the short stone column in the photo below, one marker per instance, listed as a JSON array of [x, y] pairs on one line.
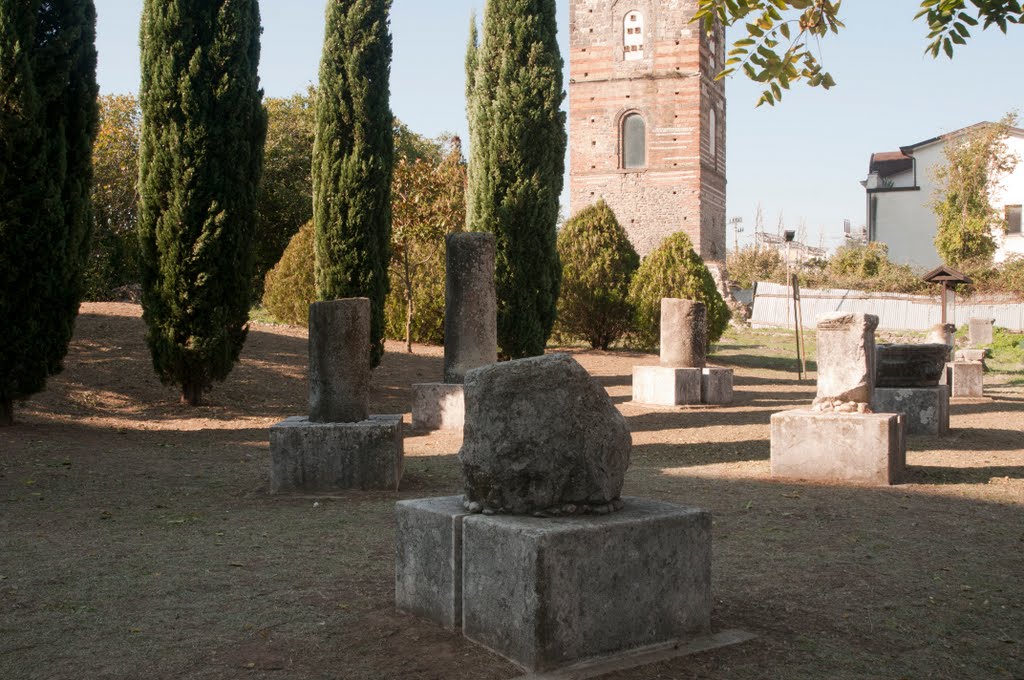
[[907, 381], [684, 333], [339, 361], [840, 438], [981, 332], [681, 377], [339, 446], [470, 330]]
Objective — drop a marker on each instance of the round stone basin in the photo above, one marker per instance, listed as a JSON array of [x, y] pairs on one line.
[[910, 365]]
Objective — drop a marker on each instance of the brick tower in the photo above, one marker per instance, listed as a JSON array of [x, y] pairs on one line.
[[647, 120]]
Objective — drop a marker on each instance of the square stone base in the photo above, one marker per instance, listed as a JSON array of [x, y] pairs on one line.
[[716, 386], [312, 456], [966, 378], [666, 386], [428, 559], [547, 593], [438, 406], [926, 408], [864, 448]]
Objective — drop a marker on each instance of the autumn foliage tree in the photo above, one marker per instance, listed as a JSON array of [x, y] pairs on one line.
[[975, 164]]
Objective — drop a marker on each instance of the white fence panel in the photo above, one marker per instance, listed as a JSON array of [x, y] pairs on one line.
[[773, 308]]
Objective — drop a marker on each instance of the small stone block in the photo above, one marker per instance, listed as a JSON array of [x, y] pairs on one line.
[[977, 355], [716, 386], [547, 593], [968, 379], [438, 406], [863, 448], [926, 408], [313, 456], [666, 386], [981, 332], [428, 558]]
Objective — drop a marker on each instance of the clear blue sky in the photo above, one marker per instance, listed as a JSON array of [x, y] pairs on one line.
[[804, 157]]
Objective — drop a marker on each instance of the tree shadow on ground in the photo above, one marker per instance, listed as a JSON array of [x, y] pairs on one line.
[[928, 474]]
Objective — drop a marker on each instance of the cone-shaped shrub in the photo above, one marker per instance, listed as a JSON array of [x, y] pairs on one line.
[[290, 287], [203, 127], [598, 263], [674, 270], [48, 114], [516, 163], [353, 158]]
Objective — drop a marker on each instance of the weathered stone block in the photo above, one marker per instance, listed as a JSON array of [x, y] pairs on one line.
[[428, 558], [547, 593], [339, 360], [977, 355], [926, 408], [865, 448], [470, 304], [716, 385], [846, 357], [919, 365], [684, 333], [313, 456], [539, 433], [438, 406], [666, 386], [966, 379], [981, 331]]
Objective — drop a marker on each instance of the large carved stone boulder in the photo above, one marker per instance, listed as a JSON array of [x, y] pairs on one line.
[[846, 359], [542, 437]]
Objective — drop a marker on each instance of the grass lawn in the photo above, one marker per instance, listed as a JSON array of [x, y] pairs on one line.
[[137, 537]]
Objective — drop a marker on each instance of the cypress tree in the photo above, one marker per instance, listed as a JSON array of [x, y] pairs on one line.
[[516, 165], [48, 114], [203, 127], [353, 158]]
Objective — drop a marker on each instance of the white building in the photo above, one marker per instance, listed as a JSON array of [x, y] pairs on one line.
[[901, 189]]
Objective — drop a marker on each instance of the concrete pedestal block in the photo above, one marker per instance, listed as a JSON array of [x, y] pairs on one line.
[[864, 448], [438, 406], [546, 593], [666, 386], [716, 386], [428, 559], [313, 456], [926, 408], [966, 378]]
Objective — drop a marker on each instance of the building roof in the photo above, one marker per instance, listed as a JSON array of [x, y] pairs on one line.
[[887, 163]]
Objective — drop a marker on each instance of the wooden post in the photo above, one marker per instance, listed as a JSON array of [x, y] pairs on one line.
[[799, 312]]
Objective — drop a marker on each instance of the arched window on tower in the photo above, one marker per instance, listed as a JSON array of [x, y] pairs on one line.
[[633, 36], [634, 141]]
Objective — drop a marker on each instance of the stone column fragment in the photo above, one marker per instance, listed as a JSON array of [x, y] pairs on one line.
[[471, 308], [339, 360], [684, 333], [846, 357]]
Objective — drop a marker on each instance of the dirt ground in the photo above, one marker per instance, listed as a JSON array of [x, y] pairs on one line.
[[137, 537]]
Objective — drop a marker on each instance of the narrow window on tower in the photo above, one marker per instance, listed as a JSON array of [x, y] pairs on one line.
[[634, 141], [633, 36], [713, 134]]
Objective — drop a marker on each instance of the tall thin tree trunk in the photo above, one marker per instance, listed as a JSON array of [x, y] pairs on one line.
[[408, 301], [6, 412]]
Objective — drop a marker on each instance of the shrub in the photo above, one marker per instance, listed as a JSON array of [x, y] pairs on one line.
[[290, 287], [598, 263], [674, 270], [753, 264]]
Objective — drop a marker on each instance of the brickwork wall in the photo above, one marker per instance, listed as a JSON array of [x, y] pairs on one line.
[[682, 187]]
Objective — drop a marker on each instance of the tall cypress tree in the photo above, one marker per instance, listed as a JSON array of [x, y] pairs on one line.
[[48, 113], [353, 159], [203, 128], [516, 164]]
